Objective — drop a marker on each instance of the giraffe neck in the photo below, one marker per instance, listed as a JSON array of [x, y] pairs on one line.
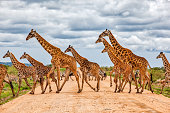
[[47, 46], [15, 62], [33, 61], [106, 44], [113, 40], [113, 57], [78, 58], [165, 62]]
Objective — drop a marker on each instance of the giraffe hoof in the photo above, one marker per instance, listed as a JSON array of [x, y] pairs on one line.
[[50, 90], [78, 91], [31, 92], [57, 91], [118, 91]]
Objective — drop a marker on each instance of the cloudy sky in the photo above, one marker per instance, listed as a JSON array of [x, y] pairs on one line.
[[142, 26]]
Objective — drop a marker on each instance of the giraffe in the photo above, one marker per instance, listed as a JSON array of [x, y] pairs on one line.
[[167, 69], [3, 74], [41, 70], [127, 56], [119, 68], [23, 72], [86, 67], [59, 60], [106, 44]]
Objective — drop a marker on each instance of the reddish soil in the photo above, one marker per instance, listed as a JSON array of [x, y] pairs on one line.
[[88, 101]]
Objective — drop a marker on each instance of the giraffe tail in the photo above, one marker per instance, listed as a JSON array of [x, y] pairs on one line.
[[102, 73], [150, 73]]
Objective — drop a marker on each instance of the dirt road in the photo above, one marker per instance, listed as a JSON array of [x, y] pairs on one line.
[[88, 101]]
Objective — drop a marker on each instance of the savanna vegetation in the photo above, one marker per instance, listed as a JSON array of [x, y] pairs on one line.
[[158, 75]]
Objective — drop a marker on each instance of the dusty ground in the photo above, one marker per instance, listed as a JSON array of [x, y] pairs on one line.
[[88, 101]]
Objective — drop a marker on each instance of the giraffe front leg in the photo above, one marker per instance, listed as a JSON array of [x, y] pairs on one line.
[[19, 86], [42, 83], [85, 76], [98, 83], [162, 87], [135, 82], [34, 84], [115, 81], [58, 79], [121, 89], [119, 83], [82, 80], [26, 81], [45, 86], [11, 86], [66, 77], [111, 77]]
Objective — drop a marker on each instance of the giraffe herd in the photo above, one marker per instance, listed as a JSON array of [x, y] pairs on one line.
[[124, 60]]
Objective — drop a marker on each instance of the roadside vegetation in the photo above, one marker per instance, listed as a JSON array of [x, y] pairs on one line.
[[6, 95], [158, 75]]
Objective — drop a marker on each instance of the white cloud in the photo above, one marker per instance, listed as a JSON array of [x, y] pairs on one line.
[[137, 25]]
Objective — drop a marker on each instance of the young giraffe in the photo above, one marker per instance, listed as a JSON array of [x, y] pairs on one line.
[[86, 67], [126, 55], [167, 69], [3, 74], [23, 72], [41, 70], [119, 68], [59, 60], [106, 44]]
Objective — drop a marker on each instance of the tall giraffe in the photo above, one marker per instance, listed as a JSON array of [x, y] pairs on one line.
[[23, 72], [126, 55], [119, 68], [167, 69], [41, 70], [59, 60], [86, 67], [3, 74], [106, 44]]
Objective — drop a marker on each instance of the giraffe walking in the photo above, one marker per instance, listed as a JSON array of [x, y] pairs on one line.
[[3, 74], [59, 60], [167, 69], [127, 56], [119, 68], [41, 71], [23, 72], [86, 67]]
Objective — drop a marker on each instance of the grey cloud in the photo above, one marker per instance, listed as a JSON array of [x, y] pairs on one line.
[[80, 20]]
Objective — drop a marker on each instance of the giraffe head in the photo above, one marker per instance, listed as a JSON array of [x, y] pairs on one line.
[[160, 55], [24, 56], [100, 39], [105, 49], [104, 33], [7, 54], [31, 34], [68, 49]]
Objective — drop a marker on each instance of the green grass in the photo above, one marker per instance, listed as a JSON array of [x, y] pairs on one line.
[[157, 73], [6, 95]]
